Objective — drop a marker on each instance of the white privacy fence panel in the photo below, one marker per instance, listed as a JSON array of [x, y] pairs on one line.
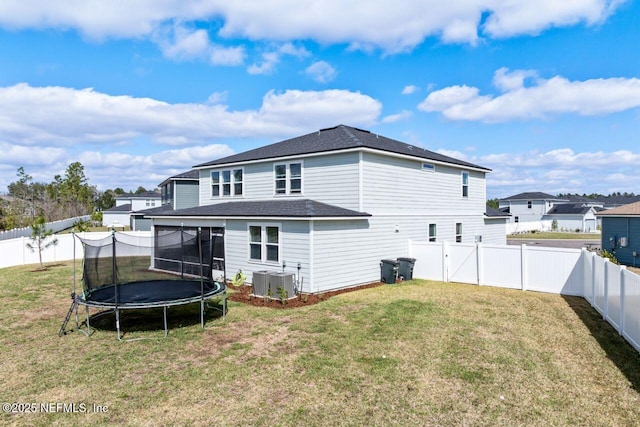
[[631, 308], [15, 251], [431, 263], [54, 226], [501, 266], [612, 290], [463, 263], [554, 270]]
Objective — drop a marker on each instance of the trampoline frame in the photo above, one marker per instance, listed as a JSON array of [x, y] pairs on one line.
[[116, 306]]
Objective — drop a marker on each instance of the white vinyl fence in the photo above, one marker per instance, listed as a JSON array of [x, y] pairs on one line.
[[54, 226], [611, 289], [15, 251]]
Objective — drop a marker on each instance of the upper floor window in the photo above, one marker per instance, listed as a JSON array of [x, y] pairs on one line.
[[465, 184], [227, 183], [528, 204], [429, 167], [167, 194], [458, 232], [432, 232], [288, 178], [150, 202]]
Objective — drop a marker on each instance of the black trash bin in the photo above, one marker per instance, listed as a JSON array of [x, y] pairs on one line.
[[388, 270], [405, 268]]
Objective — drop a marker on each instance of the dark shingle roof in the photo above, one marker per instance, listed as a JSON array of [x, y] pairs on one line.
[[532, 196], [193, 174], [495, 213], [569, 209], [335, 139], [269, 208], [122, 208], [145, 195]]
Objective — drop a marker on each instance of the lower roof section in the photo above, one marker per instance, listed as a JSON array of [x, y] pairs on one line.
[[295, 209]]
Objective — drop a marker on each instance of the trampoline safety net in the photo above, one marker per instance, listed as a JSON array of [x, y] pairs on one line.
[[175, 254]]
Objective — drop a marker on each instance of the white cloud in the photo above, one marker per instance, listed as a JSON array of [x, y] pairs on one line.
[[273, 57], [543, 98], [394, 118], [62, 116], [321, 71], [410, 89], [391, 25], [557, 171]]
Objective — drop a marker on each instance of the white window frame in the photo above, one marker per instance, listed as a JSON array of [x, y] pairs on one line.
[[264, 244], [458, 233], [464, 176], [231, 183], [288, 178], [428, 167], [435, 234]]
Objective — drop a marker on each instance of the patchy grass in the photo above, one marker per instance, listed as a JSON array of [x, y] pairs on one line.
[[417, 353], [556, 235]]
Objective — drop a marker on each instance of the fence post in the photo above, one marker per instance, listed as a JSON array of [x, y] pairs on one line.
[[523, 267], [445, 262], [479, 261], [622, 292], [606, 290], [23, 245]]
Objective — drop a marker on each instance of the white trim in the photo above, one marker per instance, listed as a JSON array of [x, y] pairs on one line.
[[287, 179], [263, 243], [360, 181], [347, 150], [266, 218], [311, 255]]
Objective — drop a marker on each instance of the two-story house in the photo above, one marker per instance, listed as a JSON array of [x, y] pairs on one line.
[[333, 203], [182, 190], [541, 211], [125, 212]]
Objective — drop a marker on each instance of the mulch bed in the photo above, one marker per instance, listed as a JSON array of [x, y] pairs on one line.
[[243, 294]]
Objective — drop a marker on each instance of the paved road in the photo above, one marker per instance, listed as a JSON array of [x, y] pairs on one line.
[[556, 243]]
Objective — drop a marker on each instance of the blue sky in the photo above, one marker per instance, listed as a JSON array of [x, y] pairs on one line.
[[545, 93]]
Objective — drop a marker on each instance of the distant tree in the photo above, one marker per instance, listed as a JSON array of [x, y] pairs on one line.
[[40, 238], [76, 193], [106, 200], [493, 203], [141, 190], [118, 191]]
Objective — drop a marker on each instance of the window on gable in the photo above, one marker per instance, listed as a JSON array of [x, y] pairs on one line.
[[227, 183], [288, 178], [428, 167], [432, 232], [465, 184], [458, 232], [264, 243]]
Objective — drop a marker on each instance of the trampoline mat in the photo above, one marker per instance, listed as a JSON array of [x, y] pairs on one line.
[[152, 293]]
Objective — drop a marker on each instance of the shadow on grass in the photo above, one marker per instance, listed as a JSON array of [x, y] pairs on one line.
[[618, 350], [152, 319]]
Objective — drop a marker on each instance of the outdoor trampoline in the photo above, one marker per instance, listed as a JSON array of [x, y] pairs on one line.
[[123, 271]]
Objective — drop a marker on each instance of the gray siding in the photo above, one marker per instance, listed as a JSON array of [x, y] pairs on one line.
[[186, 194], [294, 248], [395, 185]]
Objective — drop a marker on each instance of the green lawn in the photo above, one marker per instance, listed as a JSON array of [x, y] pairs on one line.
[[419, 353]]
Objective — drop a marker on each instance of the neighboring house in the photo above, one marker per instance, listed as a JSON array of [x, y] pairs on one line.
[[333, 203], [538, 211], [128, 210], [182, 190], [621, 232]]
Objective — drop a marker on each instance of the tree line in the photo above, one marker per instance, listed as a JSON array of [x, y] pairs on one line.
[[67, 196]]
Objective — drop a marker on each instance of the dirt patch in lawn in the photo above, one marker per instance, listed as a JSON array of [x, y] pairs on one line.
[[243, 294]]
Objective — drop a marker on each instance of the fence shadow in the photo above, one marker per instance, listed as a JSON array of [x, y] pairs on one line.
[[618, 350]]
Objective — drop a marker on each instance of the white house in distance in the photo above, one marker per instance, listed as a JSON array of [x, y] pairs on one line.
[[334, 203], [123, 214], [538, 211]]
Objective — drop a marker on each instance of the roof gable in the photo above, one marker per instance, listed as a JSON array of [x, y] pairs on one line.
[[632, 209], [336, 139], [532, 196]]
